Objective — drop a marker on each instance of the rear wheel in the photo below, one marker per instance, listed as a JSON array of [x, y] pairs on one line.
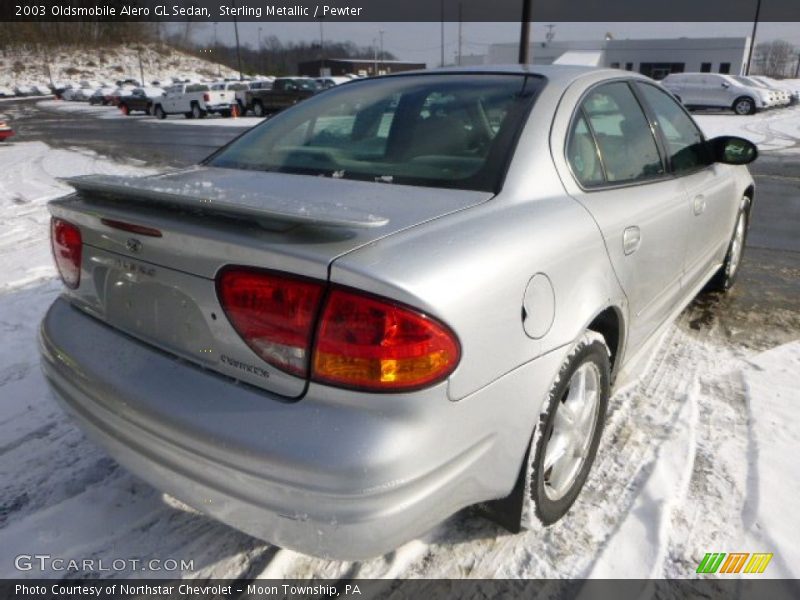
[[159, 112], [149, 109], [568, 433], [744, 106], [197, 112], [724, 279], [258, 109]]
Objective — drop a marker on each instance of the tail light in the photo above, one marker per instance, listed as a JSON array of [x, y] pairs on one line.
[[206, 98], [66, 243], [369, 343], [362, 341], [273, 313]]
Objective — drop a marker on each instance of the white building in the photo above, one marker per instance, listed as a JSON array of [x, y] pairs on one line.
[[653, 57]]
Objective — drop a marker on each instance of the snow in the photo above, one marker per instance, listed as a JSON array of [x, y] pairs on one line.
[[776, 131], [698, 456], [104, 64], [111, 112]]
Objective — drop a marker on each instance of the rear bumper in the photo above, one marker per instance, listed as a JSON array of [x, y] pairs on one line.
[[5, 134], [215, 108], [330, 475]]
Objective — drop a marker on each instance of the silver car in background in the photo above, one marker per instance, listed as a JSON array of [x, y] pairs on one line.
[[715, 90], [397, 299]]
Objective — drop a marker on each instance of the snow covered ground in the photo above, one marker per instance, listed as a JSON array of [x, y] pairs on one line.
[[111, 112], [697, 457], [25, 66], [772, 131]]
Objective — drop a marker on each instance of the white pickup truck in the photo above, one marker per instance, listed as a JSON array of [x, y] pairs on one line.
[[194, 101]]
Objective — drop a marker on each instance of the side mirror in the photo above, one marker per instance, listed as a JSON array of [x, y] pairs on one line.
[[732, 150]]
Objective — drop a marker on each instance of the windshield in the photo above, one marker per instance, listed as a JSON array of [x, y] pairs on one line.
[[438, 130], [748, 82]]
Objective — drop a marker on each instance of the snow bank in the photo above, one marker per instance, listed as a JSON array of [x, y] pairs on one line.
[[775, 131]]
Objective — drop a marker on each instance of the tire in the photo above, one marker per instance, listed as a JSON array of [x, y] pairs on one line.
[[149, 109], [188, 115], [744, 106], [258, 109], [197, 112], [125, 110], [551, 489], [226, 114], [159, 112], [724, 279]]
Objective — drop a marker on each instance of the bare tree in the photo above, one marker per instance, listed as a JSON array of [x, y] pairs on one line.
[[774, 59]]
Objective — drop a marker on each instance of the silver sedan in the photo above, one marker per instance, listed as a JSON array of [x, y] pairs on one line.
[[399, 298]]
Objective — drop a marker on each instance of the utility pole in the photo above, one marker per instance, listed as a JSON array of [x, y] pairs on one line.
[[141, 69], [797, 68], [321, 49], [238, 51], [525, 33], [381, 32], [260, 52], [753, 38], [216, 52], [442, 32], [460, 21], [374, 57]]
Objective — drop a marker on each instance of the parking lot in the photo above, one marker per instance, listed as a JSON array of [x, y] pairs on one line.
[[678, 472]]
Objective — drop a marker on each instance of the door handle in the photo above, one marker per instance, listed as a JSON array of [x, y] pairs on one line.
[[631, 239], [699, 204]]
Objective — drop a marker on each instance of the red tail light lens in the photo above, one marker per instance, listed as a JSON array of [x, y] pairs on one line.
[[66, 243], [367, 343], [273, 313], [206, 98]]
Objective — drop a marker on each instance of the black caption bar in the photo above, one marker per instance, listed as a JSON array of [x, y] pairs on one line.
[[413, 589], [399, 10]]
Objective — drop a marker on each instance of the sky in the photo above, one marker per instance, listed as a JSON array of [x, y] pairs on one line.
[[421, 42]]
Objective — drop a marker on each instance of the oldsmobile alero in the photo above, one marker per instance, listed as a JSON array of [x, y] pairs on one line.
[[399, 298]]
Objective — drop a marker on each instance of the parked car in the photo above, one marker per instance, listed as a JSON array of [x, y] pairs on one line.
[[23, 90], [404, 296], [777, 98], [141, 100], [99, 96], [80, 94], [284, 92], [792, 94], [714, 90], [328, 82], [194, 101], [239, 90], [117, 95], [6, 92], [5, 128]]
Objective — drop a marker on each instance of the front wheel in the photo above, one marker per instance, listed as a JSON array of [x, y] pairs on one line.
[[724, 279], [159, 112], [744, 106], [565, 442]]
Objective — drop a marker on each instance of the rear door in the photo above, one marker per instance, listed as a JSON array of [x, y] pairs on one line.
[[620, 177], [710, 187]]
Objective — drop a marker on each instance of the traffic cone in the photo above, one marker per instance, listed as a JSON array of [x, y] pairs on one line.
[[235, 111]]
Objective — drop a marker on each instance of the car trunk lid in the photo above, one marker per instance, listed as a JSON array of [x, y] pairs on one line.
[[154, 245]]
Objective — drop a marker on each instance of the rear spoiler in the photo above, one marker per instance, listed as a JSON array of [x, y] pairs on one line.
[[261, 207]]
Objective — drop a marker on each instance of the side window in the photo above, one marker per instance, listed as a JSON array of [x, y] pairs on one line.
[[626, 143], [685, 144], [582, 154]]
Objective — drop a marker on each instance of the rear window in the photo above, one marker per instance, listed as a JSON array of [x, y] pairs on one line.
[[439, 130], [196, 87]]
